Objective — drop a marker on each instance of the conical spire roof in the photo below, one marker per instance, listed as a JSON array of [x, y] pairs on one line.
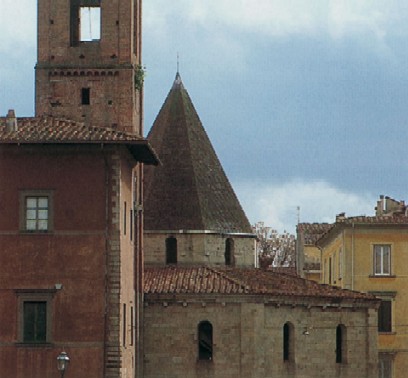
[[190, 190]]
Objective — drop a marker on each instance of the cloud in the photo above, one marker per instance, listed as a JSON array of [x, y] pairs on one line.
[[277, 18], [18, 26], [318, 201]]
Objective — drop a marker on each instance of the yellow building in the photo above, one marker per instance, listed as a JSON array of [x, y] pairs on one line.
[[307, 253], [370, 254]]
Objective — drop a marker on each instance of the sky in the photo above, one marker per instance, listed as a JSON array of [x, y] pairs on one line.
[[305, 101]]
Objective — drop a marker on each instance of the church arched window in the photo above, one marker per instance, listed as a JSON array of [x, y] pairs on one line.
[[340, 344], [171, 250], [205, 341], [288, 342], [229, 252]]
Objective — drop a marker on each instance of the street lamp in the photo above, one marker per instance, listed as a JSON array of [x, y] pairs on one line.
[[62, 363]]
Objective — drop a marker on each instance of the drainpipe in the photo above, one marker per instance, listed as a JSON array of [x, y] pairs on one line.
[[352, 256], [321, 279]]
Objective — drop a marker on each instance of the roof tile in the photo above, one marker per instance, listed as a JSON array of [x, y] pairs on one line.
[[53, 130], [208, 280]]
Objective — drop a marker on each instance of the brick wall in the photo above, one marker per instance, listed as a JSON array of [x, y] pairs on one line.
[[106, 66]]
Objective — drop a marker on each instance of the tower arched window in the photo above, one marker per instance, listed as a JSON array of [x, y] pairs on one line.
[[288, 342], [205, 341], [171, 250], [341, 344], [229, 252]]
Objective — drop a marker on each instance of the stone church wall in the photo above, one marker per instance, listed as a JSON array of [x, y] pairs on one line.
[[248, 340], [196, 248]]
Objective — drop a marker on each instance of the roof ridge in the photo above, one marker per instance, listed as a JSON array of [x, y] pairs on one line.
[[55, 120], [234, 280]]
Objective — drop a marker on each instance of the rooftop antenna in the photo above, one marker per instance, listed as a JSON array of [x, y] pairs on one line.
[[178, 63], [298, 214]]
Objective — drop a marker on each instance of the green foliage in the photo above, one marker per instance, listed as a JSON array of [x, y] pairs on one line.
[[140, 73]]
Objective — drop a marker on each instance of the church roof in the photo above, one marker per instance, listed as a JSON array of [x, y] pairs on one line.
[[190, 190], [228, 280], [51, 130]]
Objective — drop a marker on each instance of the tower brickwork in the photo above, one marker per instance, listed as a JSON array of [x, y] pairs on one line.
[[89, 62]]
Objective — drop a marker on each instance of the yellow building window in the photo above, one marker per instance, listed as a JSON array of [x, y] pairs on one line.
[[382, 260]]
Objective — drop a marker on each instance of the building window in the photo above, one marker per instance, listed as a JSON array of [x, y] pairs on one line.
[[35, 322], [330, 270], [229, 252], [288, 342], [132, 326], [340, 263], [205, 341], [385, 316], [341, 344], [382, 260], [171, 250], [131, 216], [34, 316], [89, 24], [85, 96], [85, 21], [124, 324], [385, 363], [35, 211], [124, 217]]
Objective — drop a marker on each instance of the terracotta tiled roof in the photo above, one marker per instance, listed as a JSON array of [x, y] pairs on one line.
[[190, 191], [283, 270], [383, 219], [364, 221], [313, 231], [50, 130], [206, 280]]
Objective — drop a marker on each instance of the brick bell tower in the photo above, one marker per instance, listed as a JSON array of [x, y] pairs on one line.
[[89, 62]]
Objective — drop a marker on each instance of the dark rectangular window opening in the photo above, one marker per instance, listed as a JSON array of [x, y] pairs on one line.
[[131, 224], [385, 362], [124, 324], [124, 217], [132, 326], [35, 322], [85, 96], [384, 316]]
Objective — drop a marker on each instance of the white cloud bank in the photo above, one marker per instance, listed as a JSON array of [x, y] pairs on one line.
[[276, 204]]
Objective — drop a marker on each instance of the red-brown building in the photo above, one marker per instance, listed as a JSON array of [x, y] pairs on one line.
[[70, 199]]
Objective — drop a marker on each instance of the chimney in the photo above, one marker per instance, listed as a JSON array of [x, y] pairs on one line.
[[341, 217], [11, 121]]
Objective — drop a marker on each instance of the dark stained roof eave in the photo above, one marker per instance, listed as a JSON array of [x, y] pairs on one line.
[[214, 232], [141, 149]]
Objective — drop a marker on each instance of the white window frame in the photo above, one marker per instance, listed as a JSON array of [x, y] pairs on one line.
[[36, 194], [382, 248]]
